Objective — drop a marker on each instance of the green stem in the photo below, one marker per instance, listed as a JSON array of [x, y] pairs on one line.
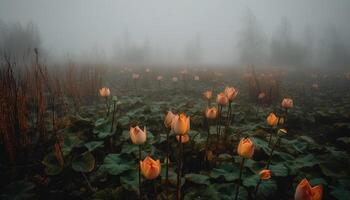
[[140, 191], [113, 117], [88, 182], [167, 164], [218, 128], [207, 141], [106, 98], [267, 165], [240, 177], [178, 194]]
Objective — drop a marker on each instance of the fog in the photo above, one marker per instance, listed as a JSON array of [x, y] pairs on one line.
[[181, 32]]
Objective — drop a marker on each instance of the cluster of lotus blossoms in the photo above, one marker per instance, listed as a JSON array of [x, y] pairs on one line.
[[159, 78], [179, 124]]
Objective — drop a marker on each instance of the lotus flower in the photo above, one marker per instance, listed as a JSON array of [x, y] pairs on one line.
[[207, 95], [150, 168], [304, 191], [181, 124], [265, 174], [272, 120], [222, 99], [137, 135], [287, 103], [231, 93], [169, 119], [105, 92], [245, 148], [211, 113]]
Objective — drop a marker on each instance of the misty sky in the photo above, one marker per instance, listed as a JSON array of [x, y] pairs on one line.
[[77, 26]]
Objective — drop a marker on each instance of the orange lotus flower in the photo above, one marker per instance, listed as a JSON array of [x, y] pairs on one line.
[[222, 99], [137, 135], [287, 103], [105, 92], [231, 93], [150, 168], [265, 174], [304, 191], [181, 124], [211, 113], [245, 148], [207, 95], [169, 119], [184, 138], [272, 120]]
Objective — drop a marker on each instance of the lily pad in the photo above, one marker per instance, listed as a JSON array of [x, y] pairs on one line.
[[84, 162], [115, 164], [198, 178], [93, 145]]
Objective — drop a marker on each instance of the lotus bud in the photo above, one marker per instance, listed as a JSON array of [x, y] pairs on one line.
[[105, 92], [137, 135], [265, 174], [207, 95], [169, 119], [148, 70], [150, 168], [272, 120], [196, 78], [287, 103], [231, 93], [181, 124], [184, 138], [159, 78], [245, 148], [222, 99], [304, 191], [175, 79], [211, 113]]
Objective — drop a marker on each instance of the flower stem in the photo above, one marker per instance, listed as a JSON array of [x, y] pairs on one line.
[[140, 191], [240, 177], [88, 182], [207, 142], [228, 120], [167, 164], [218, 128], [178, 194], [106, 98], [113, 116], [267, 165]]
